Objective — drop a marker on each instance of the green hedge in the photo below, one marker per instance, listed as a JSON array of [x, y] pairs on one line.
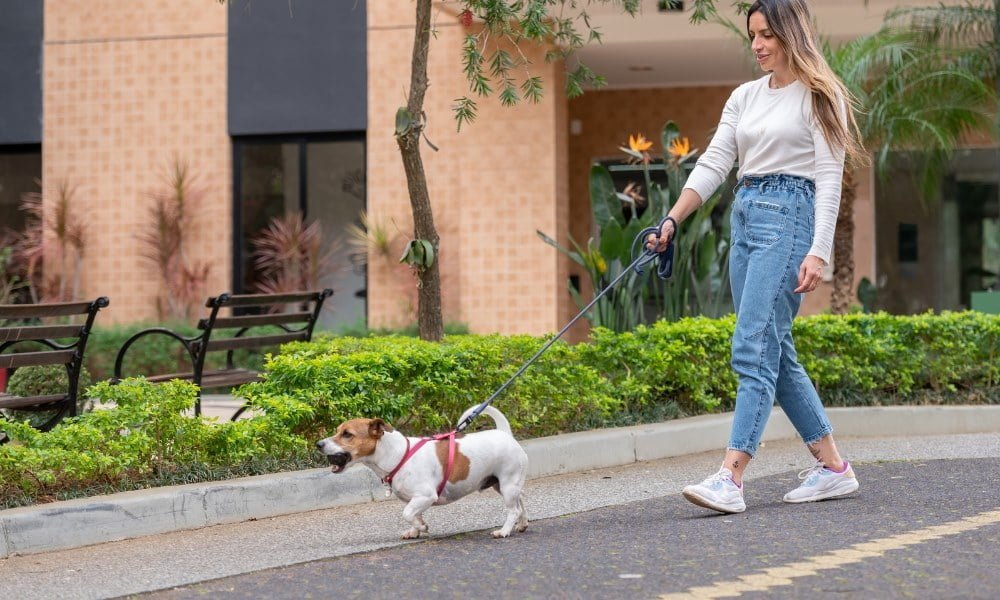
[[144, 437], [665, 370], [653, 373]]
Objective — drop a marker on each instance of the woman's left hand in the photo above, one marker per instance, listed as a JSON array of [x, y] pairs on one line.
[[810, 274]]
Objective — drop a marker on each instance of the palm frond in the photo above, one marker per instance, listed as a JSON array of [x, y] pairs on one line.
[[951, 24]]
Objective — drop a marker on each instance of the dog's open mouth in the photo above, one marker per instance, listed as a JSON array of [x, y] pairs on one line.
[[338, 461]]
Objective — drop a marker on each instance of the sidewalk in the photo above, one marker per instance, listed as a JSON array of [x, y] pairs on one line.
[[86, 521], [163, 561]]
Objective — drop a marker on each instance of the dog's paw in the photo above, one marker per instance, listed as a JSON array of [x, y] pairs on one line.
[[500, 533], [411, 534], [521, 527]]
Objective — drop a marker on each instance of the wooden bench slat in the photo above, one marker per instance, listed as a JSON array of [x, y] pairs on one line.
[[254, 320], [170, 376], [219, 378], [228, 378], [11, 401], [36, 359], [38, 332], [55, 309], [269, 299], [254, 341]]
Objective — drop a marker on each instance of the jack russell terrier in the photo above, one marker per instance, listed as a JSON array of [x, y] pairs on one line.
[[424, 472]]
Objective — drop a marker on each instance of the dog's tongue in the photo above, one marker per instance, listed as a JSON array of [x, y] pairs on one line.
[[336, 468]]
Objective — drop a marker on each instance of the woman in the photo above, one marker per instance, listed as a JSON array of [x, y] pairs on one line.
[[791, 131]]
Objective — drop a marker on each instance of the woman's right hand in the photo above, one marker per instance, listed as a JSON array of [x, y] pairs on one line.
[[658, 243]]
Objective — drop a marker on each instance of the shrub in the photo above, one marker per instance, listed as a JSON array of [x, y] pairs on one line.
[[44, 380], [145, 435], [654, 372], [425, 386]]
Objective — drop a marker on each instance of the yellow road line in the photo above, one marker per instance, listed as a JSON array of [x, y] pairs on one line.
[[786, 574]]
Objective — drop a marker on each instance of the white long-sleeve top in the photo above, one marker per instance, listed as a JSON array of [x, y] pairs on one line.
[[772, 131]]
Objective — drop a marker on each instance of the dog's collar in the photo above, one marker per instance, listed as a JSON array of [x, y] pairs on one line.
[[450, 436]]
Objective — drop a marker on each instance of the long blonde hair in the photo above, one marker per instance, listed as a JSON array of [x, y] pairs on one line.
[[791, 22]]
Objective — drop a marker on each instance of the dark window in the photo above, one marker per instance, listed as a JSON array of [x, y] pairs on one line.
[[20, 72], [907, 242], [20, 174], [624, 174], [321, 177]]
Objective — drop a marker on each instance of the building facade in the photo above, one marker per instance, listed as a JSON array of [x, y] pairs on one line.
[[278, 107]]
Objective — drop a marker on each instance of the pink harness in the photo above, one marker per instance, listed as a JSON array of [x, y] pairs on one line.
[[450, 436]]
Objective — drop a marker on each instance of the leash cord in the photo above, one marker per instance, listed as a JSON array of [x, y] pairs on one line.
[[647, 256]]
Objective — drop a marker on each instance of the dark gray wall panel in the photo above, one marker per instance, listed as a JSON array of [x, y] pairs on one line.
[[20, 71], [297, 66]]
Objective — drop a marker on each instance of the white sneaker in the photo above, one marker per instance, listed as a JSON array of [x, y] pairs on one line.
[[820, 483], [718, 492]]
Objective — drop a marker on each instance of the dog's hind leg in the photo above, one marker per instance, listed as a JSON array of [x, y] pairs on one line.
[[511, 492], [414, 514], [522, 518]]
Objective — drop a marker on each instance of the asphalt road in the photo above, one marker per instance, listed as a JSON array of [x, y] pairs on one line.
[[916, 529]]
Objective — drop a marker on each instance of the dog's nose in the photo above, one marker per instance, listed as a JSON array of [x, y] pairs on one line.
[[319, 444]]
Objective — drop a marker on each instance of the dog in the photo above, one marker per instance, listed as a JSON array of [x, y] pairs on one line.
[[481, 460]]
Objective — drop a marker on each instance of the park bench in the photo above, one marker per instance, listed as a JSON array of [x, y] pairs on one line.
[[252, 311], [34, 324]]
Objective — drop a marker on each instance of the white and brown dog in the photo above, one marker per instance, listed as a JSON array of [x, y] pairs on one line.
[[479, 460]]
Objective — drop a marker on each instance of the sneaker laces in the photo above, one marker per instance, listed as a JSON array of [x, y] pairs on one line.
[[813, 470], [720, 475]]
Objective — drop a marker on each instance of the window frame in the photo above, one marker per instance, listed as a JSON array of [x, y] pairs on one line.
[[302, 141]]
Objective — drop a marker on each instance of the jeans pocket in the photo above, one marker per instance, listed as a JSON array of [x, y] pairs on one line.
[[765, 221]]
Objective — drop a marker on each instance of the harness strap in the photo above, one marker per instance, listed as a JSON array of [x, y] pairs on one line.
[[451, 461], [410, 451]]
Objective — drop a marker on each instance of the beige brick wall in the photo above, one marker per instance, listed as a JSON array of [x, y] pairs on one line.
[[128, 86], [491, 186]]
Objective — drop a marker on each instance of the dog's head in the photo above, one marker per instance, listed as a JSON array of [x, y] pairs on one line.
[[354, 439]]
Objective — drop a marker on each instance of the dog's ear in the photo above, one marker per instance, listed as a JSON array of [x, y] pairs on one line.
[[377, 427]]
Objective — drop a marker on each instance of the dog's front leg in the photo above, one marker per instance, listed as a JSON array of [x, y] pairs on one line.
[[414, 514]]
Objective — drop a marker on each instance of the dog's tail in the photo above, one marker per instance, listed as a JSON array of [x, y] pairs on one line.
[[502, 423]]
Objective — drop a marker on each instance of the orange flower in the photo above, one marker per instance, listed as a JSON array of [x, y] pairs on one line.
[[680, 147], [639, 143]]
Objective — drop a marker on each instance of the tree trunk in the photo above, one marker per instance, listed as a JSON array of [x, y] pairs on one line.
[[429, 294], [843, 247]]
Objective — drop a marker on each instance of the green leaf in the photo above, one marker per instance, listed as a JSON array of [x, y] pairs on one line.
[[707, 251], [613, 242], [428, 253], [670, 133], [604, 203], [404, 121]]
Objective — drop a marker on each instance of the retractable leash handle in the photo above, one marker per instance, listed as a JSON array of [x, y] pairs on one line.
[[665, 267], [664, 271]]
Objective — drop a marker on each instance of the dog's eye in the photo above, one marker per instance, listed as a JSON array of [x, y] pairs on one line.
[[347, 435]]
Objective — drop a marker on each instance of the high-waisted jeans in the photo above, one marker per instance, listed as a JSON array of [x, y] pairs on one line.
[[772, 230]]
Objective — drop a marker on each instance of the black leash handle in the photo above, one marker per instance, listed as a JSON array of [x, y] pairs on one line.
[[664, 270]]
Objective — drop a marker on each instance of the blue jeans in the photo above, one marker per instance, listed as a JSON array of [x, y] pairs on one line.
[[772, 230]]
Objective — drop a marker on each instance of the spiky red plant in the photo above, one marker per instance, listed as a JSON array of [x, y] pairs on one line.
[[289, 255]]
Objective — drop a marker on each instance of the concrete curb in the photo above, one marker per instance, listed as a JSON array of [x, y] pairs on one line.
[[86, 521]]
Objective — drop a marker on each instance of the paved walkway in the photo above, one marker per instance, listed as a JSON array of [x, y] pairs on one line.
[[880, 543], [647, 491]]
